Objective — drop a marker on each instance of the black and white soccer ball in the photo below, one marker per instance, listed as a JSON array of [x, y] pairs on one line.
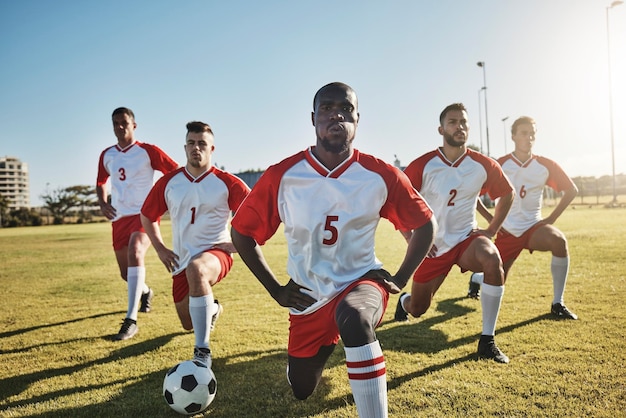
[[189, 387]]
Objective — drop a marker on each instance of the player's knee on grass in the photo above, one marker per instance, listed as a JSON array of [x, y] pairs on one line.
[[305, 373], [357, 315]]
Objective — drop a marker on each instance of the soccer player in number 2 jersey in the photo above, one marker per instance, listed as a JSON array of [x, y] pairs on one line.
[[524, 227], [451, 178], [200, 199], [130, 165], [330, 199]]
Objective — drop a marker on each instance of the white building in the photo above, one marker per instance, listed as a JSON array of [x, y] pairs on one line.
[[14, 183]]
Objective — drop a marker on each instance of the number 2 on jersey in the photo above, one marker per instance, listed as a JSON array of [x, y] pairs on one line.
[[332, 229], [453, 193]]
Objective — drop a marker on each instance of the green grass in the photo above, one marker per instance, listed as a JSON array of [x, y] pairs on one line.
[[62, 299]]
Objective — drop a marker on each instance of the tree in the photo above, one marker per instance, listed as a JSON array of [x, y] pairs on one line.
[[4, 207], [86, 196], [60, 202]]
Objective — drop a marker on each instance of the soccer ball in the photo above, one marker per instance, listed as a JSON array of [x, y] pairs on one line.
[[189, 387]]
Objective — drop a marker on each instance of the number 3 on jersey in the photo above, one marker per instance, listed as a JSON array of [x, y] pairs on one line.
[[329, 227]]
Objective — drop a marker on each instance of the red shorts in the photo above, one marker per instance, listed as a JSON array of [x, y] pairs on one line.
[[511, 246], [441, 266], [180, 286], [307, 333], [123, 228]]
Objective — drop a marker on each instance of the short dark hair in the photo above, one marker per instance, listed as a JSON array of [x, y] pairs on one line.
[[335, 84], [453, 106], [123, 111], [199, 127], [521, 121]]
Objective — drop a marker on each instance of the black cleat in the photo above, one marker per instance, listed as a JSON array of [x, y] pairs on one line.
[[401, 315], [128, 330], [217, 314], [560, 311], [487, 349], [474, 289], [202, 355], [146, 301]]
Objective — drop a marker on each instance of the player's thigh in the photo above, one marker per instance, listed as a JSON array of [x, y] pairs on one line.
[[548, 238], [182, 309], [481, 255]]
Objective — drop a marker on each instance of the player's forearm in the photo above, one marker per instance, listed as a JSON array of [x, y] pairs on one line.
[[501, 210], [251, 254], [567, 198], [153, 231], [421, 240]]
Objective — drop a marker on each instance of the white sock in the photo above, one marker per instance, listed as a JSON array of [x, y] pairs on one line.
[[368, 379], [201, 310], [136, 279], [559, 268], [478, 278], [402, 299], [490, 301]]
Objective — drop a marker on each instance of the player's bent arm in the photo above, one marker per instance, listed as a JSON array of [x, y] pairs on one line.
[[167, 257], [420, 242], [290, 295], [566, 199], [107, 210], [501, 210]]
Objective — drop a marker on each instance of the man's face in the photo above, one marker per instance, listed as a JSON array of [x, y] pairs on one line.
[[124, 127], [198, 148], [524, 137], [455, 129], [335, 118]]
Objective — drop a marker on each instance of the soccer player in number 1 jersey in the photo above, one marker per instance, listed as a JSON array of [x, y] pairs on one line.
[[524, 226], [330, 199], [451, 178], [200, 198], [130, 166]]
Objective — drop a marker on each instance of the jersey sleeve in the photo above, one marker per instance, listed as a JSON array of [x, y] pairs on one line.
[[237, 189], [557, 178], [103, 174], [155, 205], [415, 169], [159, 160], [497, 184]]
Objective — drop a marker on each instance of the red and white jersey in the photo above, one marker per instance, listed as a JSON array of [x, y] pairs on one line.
[[529, 179], [451, 189], [199, 209], [132, 174], [330, 217]]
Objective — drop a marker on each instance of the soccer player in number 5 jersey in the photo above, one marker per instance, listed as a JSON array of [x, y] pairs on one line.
[[330, 199], [200, 199], [130, 165], [524, 227], [451, 178]]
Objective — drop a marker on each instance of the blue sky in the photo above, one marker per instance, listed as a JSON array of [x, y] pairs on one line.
[[250, 69]]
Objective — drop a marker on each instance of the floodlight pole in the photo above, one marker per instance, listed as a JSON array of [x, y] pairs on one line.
[[504, 127], [480, 119], [482, 65], [608, 43]]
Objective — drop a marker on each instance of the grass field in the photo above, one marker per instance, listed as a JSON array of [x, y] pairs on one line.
[[62, 300]]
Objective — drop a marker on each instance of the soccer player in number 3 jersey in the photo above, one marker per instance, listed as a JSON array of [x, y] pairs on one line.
[[130, 165], [330, 199], [524, 227], [200, 199], [451, 178]]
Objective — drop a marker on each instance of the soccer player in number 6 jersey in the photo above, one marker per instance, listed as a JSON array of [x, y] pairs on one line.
[[330, 199], [130, 165], [200, 199], [451, 178], [524, 226]]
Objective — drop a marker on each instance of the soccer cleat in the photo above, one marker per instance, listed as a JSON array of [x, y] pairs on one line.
[[217, 314], [560, 311], [401, 315], [487, 349], [202, 355], [146, 301], [128, 330], [474, 289]]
